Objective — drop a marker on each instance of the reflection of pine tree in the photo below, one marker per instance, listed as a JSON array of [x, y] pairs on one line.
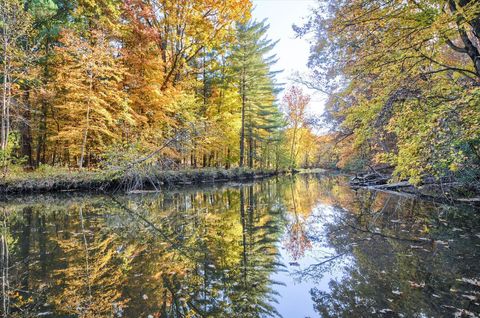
[[254, 294], [192, 253], [218, 259]]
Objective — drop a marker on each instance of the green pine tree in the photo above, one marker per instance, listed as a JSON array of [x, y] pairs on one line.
[[257, 88]]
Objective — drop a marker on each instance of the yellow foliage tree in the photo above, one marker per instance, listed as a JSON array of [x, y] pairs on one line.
[[92, 109]]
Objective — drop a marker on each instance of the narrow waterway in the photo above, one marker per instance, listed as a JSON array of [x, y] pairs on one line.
[[303, 246]]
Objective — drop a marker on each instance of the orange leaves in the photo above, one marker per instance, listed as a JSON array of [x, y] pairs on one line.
[[181, 29], [164, 42], [295, 102]]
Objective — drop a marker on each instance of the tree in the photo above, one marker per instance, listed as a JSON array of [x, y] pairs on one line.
[[295, 104], [218, 118], [15, 24], [256, 87], [403, 82], [167, 47], [92, 107], [181, 30], [38, 117], [116, 78]]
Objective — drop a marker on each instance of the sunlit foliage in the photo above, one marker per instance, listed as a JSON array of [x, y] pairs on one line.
[[94, 82], [403, 79]]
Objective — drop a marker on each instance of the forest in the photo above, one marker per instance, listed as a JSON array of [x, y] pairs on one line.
[[90, 84], [156, 161], [180, 84], [403, 84]]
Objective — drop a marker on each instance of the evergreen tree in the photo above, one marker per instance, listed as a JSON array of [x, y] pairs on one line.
[[257, 88]]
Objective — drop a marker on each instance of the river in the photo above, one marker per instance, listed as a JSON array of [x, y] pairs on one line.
[[302, 246]]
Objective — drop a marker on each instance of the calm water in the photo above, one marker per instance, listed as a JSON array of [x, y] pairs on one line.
[[307, 246]]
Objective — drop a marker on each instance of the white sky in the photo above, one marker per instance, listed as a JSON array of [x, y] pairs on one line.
[[292, 53]]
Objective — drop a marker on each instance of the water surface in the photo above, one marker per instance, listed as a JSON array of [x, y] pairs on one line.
[[307, 246]]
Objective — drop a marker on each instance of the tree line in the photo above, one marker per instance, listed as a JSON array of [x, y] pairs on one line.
[[403, 84], [86, 84]]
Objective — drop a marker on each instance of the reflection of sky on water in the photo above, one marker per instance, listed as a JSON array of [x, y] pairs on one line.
[[295, 299], [219, 249]]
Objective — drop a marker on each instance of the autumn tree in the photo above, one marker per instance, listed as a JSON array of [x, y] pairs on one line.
[[402, 79], [295, 103], [218, 119], [180, 30], [166, 49], [112, 80], [92, 107]]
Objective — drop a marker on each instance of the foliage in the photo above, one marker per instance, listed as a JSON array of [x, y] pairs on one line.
[[260, 116], [300, 137], [90, 100], [130, 76], [403, 82]]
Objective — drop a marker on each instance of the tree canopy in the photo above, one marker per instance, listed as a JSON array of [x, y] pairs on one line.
[[402, 80], [86, 84]]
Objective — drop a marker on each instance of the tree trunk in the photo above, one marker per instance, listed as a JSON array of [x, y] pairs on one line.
[[242, 128], [227, 163], [469, 47], [294, 137], [6, 70], [26, 133], [244, 235], [85, 132]]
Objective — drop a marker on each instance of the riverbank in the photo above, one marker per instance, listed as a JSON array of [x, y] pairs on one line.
[[61, 180], [431, 189]]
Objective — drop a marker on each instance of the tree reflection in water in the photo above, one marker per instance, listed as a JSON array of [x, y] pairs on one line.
[[398, 257], [213, 252]]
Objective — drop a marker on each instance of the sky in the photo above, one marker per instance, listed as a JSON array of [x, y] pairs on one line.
[[292, 52]]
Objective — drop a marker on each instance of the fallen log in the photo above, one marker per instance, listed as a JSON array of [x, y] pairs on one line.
[[394, 186], [370, 179]]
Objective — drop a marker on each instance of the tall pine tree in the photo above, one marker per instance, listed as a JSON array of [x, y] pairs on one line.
[[260, 116]]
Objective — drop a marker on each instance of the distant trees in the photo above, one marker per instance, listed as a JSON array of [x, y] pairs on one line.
[[295, 104]]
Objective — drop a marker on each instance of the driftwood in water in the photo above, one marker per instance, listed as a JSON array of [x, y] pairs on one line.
[[373, 178], [370, 179], [469, 200], [394, 186], [430, 189]]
